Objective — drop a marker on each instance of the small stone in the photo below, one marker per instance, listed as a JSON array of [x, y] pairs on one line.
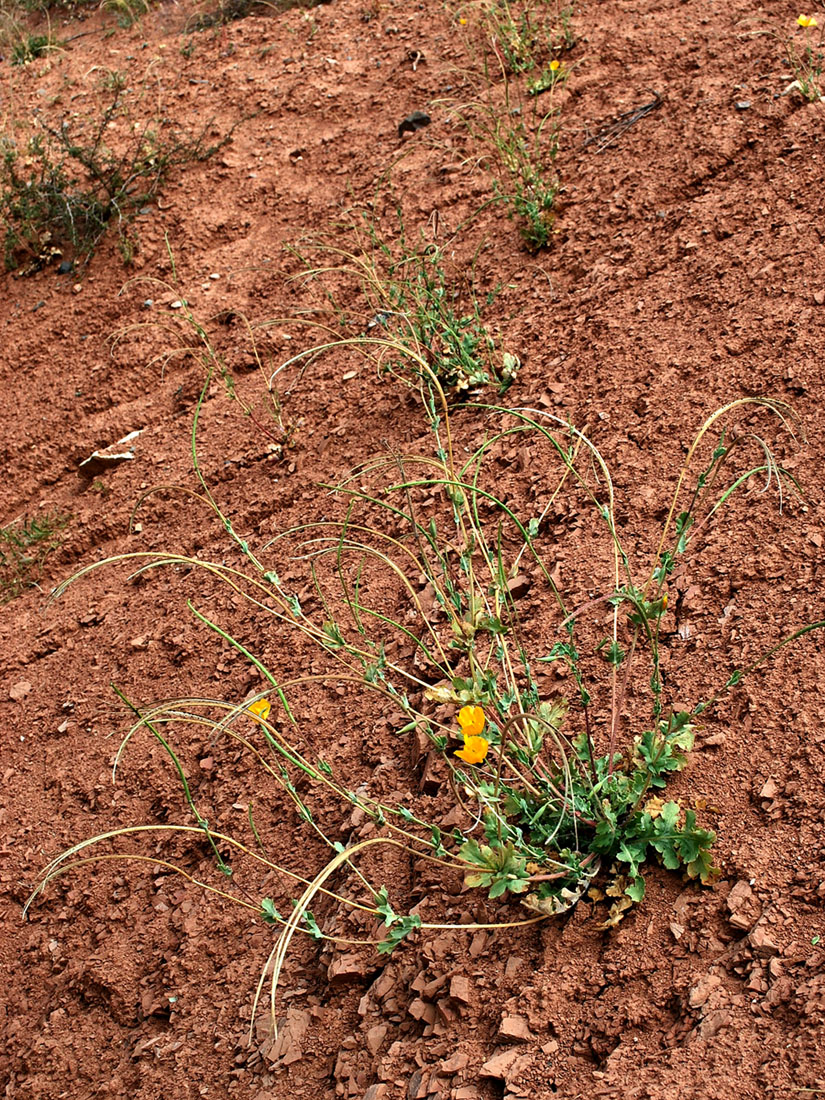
[[769, 789], [148, 303], [419, 1086], [819, 297], [349, 376], [460, 988], [743, 105], [478, 945], [382, 985], [519, 586], [455, 1063], [375, 1092], [743, 906], [513, 966], [762, 943], [500, 1066], [77, 288], [177, 304], [19, 690], [703, 989], [215, 275], [288, 1047], [515, 1028], [375, 1037], [421, 1010], [416, 121], [65, 267], [714, 1022], [348, 968], [715, 740]]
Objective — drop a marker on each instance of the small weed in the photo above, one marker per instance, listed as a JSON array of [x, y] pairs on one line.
[[228, 11], [113, 80], [414, 308], [66, 187], [519, 144], [24, 546], [33, 46], [127, 12], [807, 60], [527, 35], [516, 47]]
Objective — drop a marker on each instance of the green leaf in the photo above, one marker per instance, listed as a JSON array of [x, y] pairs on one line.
[[269, 913], [636, 890], [312, 925], [382, 904], [613, 652], [684, 521], [334, 635], [400, 930]]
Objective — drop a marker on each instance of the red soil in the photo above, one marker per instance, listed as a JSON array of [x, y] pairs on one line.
[[688, 268]]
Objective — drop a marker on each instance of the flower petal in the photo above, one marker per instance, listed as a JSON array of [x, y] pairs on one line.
[[475, 749], [260, 708], [471, 720]]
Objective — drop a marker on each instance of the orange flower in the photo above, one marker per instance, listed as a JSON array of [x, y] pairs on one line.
[[475, 749], [260, 709], [554, 65], [471, 720]]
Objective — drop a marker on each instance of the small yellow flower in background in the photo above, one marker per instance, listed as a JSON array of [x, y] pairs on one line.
[[807, 21], [471, 720], [554, 65], [260, 709], [463, 22], [475, 749]]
